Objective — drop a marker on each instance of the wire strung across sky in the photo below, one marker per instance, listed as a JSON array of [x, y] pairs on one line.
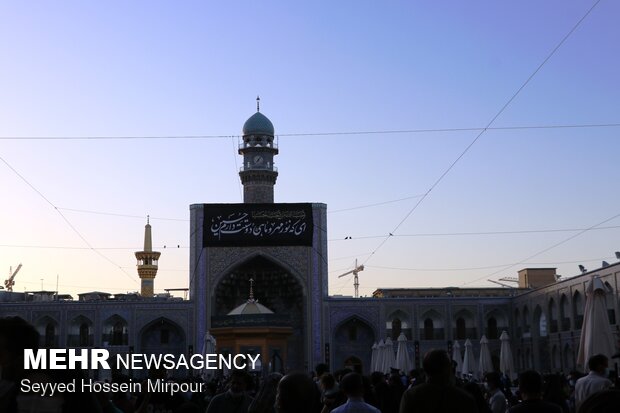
[[481, 132], [557, 244], [343, 133], [64, 218]]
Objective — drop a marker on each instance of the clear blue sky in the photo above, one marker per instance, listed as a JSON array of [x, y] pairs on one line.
[[194, 68]]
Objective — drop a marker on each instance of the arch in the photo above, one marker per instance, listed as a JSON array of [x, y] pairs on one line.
[[48, 329], [363, 319], [500, 318], [277, 287], [162, 335], [80, 332], [464, 325], [251, 256], [355, 364], [346, 348], [564, 313], [539, 323], [432, 326], [115, 331], [578, 308], [397, 322], [526, 320], [610, 301], [553, 316]]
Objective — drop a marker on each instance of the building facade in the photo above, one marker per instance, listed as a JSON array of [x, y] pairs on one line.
[[282, 248]]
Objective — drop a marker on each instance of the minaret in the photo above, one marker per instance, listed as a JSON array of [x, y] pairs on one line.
[[147, 263], [258, 174]]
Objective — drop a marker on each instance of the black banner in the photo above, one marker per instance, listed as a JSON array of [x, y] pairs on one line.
[[237, 225]]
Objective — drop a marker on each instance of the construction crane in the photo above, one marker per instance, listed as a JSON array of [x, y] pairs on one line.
[[502, 284], [9, 282], [356, 280]]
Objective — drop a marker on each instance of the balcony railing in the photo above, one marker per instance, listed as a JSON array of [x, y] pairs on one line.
[[270, 145], [270, 168]]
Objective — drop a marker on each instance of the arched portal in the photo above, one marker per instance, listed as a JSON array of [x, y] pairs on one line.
[[162, 336], [357, 348], [47, 328], [115, 331], [80, 332], [274, 287]]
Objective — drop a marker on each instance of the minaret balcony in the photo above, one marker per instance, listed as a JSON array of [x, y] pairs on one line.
[[270, 146], [258, 144], [270, 168]]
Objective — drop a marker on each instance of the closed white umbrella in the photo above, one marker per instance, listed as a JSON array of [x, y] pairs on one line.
[[596, 333], [456, 357], [403, 361], [506, 362], [373, 358], [469, 362], [380, 356], [486, 364], [390, 361]]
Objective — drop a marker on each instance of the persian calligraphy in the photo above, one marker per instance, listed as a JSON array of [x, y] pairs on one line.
[[234, 225], [260, 224]]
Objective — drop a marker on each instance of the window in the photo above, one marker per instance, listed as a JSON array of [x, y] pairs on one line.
[[492, 328], [396, 328], [117, 334], [429, 330], [84, 335], [50, 333], [461, 329]]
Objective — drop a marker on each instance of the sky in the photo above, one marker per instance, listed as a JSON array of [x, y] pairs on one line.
[[159, 72]]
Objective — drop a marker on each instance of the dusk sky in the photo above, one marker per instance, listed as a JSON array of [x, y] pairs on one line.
[[161, 72]]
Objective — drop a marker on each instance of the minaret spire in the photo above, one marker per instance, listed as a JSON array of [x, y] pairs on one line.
[[148, 243], [147, 263], [251, 289], [258, 103]]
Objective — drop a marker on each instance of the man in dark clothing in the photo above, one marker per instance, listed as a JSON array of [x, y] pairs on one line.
[[297, 393], [235, 400], [531, 389], [438, 394]]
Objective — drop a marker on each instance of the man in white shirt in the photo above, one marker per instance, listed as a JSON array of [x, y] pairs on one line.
[[497, 399], [595, 381], [353, 386]]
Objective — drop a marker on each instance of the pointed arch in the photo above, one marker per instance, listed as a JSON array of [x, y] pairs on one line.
[[464, 325], [564, 313], [432, 325], [48, 329], [578, 307], [80, 332], [398, 321], [115, 331], [553, 316]]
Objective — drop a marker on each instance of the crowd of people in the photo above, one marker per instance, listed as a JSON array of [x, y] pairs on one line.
[[435, 388]]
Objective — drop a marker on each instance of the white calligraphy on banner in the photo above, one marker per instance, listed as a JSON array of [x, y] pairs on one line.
[[271, 223]]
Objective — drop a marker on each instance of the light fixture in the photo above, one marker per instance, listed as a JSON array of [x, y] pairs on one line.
[[582, 269], [605, 264], [618, 255]]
